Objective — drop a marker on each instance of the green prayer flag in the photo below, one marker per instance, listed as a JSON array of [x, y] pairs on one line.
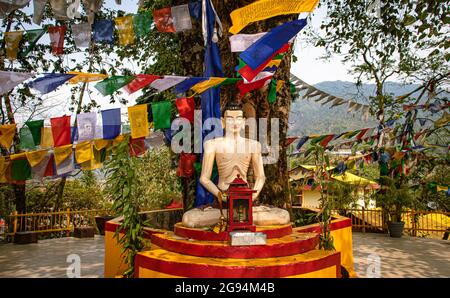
[[230, 81], [142, 23], [318, 139], [292, 88], [198, 167], [162, 111], [26, 138], [31, 37], [110, 85], [35, 129], [272, 91], [20, 170], [278, 57]]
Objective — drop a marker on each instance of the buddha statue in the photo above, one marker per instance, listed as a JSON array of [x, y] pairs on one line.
[[233, 155]]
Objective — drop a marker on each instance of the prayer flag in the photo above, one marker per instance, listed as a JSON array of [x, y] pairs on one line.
[[20, 169], [137, 146], [57, 34], [155, 140], [139, 82], [85, 77], [241, 42], [7, 133], [35, 157], [271, 43], [38, 8], [35, 129], [10, 79], [195, 9], [186, 165], [186, 107], [62, 153], [59, 8], [81, 34], [162, 111], [205, 85], [167, 82], [125, 30], [4, 165], [264, 9], [138, 121], [172, 19], [31, 37], [260, 81], [86, 124], [61, 130], [272, 97], [103, 31], [324, 142], [49, 82], [12, 41], [26, 138], [111, 123], [46, 137], [83, 152], [38, 170], [302, 142], [112, 84], [66, 166], [92, 7], [142, 23], [187, 84]]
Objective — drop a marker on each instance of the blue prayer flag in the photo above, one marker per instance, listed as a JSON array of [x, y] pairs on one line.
[[301, 142], [103, 31], [210, 102], [187, 84], [195, 9], [49, 82], [270, 43], [111, 123]]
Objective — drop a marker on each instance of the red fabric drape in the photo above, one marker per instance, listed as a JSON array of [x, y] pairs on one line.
[[57, 34], [61, 130], [186, 107], [186, 164]]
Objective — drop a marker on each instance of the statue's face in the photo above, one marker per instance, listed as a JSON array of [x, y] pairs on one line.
[[233, 121]]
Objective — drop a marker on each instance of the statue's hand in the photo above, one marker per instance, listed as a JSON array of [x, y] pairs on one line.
[[222, 197]]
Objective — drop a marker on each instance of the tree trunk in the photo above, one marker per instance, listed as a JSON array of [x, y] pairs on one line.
[[276, 188]]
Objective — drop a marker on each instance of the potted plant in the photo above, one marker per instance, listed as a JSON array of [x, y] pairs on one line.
[[394, 199]]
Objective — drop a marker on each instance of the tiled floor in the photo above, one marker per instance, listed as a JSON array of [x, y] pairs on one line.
[[404, 257], [400, 257], [50, 258]]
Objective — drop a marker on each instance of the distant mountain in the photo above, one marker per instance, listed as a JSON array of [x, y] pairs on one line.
[[308, 117]]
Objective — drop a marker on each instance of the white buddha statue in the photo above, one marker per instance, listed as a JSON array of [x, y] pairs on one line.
[[233, 155]]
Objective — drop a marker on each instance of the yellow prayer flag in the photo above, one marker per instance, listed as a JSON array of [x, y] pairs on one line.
[[99, 144], [46, 137], [125, 30], [205, 85], [7, 133], [280, 84], [264, 9], [119, 139], [94, 163], [441, 188], [274, 63], [83, 152], [138, 121], [12, 41], [86, 77], [35, 157], [18, 156], [3, 167], [61, 153]]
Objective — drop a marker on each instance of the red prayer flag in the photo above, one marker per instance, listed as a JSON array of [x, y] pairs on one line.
[[361, 134], [326, 140], [137, 146], [163, 20], [249, 74], [50, 169], [186, 108], [61, 131], [290, 140], [57, 34], [186, 164], [140, 81], [245, 88]]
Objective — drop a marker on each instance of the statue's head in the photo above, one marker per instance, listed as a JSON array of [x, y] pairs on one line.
[[233, 117]]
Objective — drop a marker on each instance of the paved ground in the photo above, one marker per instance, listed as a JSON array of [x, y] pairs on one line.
[[404, 257], [49, 258]]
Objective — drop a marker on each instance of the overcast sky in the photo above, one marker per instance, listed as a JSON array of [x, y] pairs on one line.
[[308, 67]]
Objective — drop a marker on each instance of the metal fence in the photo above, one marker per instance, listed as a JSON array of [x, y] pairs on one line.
[[431, 224], [56, 222]]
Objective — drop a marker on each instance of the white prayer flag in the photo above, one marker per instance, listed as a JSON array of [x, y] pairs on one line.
[[10, 79], [66, 166], [166, 82], [181, 17], [38, 6], [86, 123], [241, 42], [81, 35]]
